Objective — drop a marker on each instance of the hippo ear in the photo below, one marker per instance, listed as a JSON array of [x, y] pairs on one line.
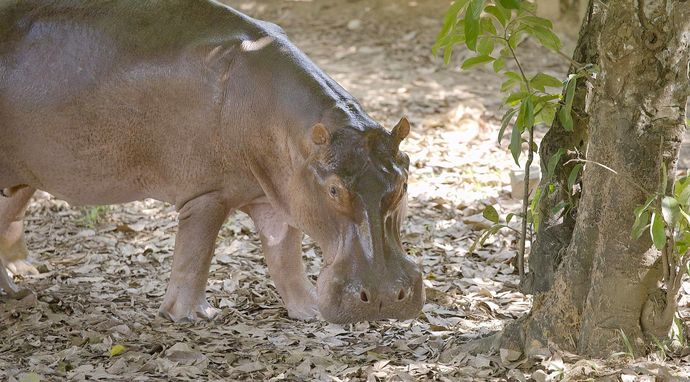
[[401, 130], [320, 135]]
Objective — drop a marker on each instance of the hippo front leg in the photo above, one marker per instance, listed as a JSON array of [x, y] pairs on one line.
[[200, 221], [282, 246], [13, 251]]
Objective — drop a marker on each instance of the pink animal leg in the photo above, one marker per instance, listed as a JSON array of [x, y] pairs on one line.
[[200, 222], [6, 283], [13, 251], [282, 245]]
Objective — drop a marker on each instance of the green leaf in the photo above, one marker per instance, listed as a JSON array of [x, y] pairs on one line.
[[670, 209], [570, 92], [477, 60], [450, 18], [447, 55], [685, 215], [510, 4], [485, 235], [509, 84], [533, 207], [562, 206], [499, 63], [545, 115], [507, 117], [30, 377], [649, 202], [565, 118], [486, 26], [628, 344], [642, 217], [684, 197], [564, 114], [536, 199], [486, 46], [513, 79], [683, 243], [528, 7], [536, 21], [455, 37], [553, 162], [682, 191], [658, 231], [491, 214], [542, 80], [545, 36], [641, 223], [528, 113], [545, 99], [117, 350], [516, 144], [447, 44], [496, 13], [572, 178], [513, 75], [472, 16], [520, 119], [514, 97], [509, 217], [551, 189], [515, 38]]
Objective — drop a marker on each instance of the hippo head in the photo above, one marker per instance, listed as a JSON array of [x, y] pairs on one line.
[[356, 184]]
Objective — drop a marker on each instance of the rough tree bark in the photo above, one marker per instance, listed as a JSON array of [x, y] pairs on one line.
[[636, 109]]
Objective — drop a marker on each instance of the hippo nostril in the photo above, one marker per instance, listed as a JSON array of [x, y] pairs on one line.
[[363, 296], [401, 294]]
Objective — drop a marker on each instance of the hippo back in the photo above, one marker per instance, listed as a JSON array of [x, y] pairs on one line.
[[116, 97]]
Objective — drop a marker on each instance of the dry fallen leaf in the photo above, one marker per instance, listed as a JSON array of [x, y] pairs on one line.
[[100, 287], [117, 350]]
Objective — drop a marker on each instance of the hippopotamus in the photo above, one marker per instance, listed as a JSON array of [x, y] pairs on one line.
[[195, 104]]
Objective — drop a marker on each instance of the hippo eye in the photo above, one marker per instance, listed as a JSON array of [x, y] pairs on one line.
[[333, 191]]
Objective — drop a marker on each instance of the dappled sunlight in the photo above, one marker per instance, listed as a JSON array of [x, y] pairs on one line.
[[101, 284]]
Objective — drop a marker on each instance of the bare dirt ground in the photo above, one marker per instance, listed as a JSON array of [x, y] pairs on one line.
[[94, 312]]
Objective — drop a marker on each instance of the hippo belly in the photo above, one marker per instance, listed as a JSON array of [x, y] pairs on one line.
[[117, 139]]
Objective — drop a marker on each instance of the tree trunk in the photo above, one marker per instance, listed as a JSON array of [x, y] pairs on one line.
[[637, 112]]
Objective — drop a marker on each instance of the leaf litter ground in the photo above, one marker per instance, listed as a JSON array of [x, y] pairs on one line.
[[94, 312]]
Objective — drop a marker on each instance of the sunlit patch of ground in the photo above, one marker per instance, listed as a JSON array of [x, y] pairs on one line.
[[102, 285]]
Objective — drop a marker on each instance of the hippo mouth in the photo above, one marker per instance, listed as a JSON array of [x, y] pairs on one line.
[[343, 300]]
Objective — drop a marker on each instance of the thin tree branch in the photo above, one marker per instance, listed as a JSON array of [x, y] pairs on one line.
[[528, 164]]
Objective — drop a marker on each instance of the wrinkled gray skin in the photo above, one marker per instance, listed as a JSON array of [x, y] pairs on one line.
[[195, 104]]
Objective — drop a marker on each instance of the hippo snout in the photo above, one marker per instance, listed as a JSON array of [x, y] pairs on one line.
[[370, 296]]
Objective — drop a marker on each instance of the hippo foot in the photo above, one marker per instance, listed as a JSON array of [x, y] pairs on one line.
[[22, 268], [177, 311], [303, 307], [9, 288], [304, 313], [17, 293]]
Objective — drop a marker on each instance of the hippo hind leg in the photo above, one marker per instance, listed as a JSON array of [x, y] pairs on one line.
[[282, 245], [200, 221], [13, 251], [6, 284]]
